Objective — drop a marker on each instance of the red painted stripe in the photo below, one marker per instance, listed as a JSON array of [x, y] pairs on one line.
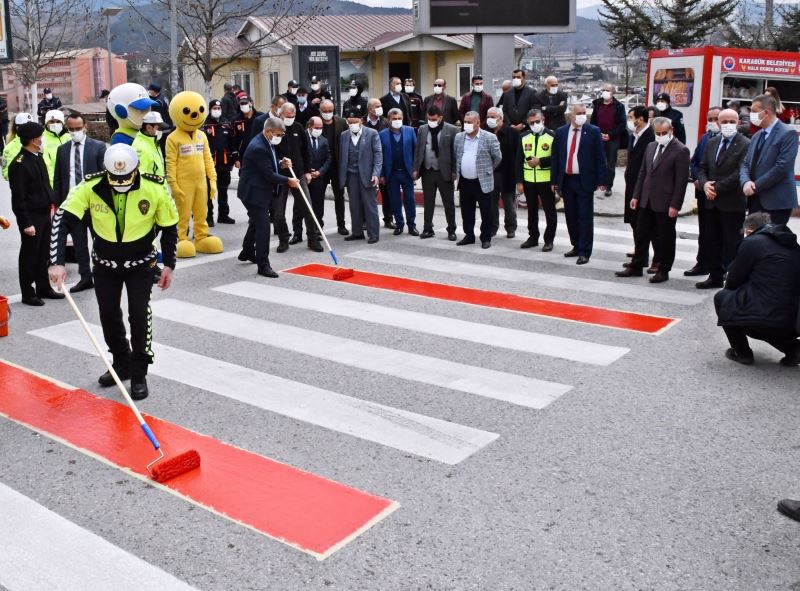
[[298, 508], [495, 299]]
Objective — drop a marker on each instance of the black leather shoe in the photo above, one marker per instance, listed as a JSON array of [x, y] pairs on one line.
[[267, 271], [296, 239], [315, 246], [696, 271], [710, 283], [139, 389], [582, 260], [247, 257], [413, 231], [427, 234], [790, 508], [372, 240], [511, 234], [282, 246], [210, 222], [398, 231], [451, 236], [571, 253], [106, 381], [548, 246], [389, 224], [486, 244], [51, 295], [226, 220], [743, 359], [343, 231], [353, 237], [82, 285], [660, 277], [464, 241], [529, 243], [792, 359], [34, 301], [630, 271]]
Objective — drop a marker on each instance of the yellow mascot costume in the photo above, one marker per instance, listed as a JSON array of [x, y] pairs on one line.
[[191, 173]]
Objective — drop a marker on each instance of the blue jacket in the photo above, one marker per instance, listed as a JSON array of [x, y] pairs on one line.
[[258, 176], [409, 146], [591, 157], [774, 171], [697, 157]]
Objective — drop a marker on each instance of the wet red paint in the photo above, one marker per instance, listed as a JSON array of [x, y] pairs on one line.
[[296, 507], [494, 299]]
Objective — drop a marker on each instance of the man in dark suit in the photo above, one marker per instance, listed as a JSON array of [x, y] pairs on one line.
[[767, 171], [434, 164], [332, 129], [578, 170], [724, 203], [376, 119], [259, 180], [321, 157], [396, 98], [658, 197], [554, 103], [641, 136], [517, 101], [74, 160], [446, 103], [505, 177]]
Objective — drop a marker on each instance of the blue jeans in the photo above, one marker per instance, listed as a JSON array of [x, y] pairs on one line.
[[401, 179]]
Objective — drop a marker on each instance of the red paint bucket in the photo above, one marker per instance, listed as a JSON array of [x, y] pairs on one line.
[[4, 316]]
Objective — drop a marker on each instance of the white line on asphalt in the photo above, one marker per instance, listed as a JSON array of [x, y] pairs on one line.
[[426, 369], [39, 549], [619, 288], [410, 432], [485, 334]]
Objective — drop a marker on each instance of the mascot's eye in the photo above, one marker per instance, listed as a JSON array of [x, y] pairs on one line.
[[186, 110], [202, 109]]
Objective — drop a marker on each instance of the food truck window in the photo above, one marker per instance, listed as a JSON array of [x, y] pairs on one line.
[[678, 83], [788, 89], [741, 89]]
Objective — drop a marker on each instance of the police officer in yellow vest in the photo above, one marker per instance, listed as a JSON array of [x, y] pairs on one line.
[[147, 144], [533, 179], [127, 209]]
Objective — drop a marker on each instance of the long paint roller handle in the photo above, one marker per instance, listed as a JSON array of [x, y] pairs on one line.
[[314, 217]]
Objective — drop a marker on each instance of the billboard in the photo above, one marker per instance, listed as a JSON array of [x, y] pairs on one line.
[[494, 16], [6, 48], [321, 61]]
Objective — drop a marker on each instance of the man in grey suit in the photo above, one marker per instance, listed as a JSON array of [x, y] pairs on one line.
[[767, 171], [360, 163], [658, 197], [433, 163], [477, 154], [724, 203]]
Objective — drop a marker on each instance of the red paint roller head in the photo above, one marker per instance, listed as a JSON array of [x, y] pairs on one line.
[[180, 464], [341, 274]]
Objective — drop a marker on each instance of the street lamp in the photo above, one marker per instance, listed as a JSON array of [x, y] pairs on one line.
[[108, 12]]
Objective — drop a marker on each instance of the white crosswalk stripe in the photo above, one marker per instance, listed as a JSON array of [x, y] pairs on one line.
[[407, 431]]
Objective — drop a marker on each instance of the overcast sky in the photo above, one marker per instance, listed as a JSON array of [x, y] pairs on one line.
[[407, 3]]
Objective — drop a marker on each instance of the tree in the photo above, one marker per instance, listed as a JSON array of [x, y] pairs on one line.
[[207, 29], [787, 35], [623, 38], [40, 36]]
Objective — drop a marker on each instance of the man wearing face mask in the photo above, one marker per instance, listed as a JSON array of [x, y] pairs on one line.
[[664, 108], [505, 177], [641, 135], [319, 166], [443, 101], [54, 136], [396, 98], [658, 197], [724, 203], [532, 167], [553, 102], [76, 159], [243, 128], [290, 96], [415, 102], [318, 92], [609, 115], [518, 100], [48, 103], [220, 141], [332, 128], [476, 100], [355, 101], [305, 110], [230, 105], [147, 144], [375, 120], [712, 130], [398, 144]]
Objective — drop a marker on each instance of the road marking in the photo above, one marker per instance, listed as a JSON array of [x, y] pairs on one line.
[[605, 317], [39, 549], [618, 288], [410, 432], [303, 510], [426, 369], [484, 334]]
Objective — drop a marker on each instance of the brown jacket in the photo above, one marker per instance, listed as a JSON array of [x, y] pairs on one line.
[[663, 185]]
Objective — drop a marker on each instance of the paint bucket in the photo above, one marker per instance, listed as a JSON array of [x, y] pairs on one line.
[[5, 316]]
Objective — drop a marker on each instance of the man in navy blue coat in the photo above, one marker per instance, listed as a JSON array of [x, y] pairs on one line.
[[398, 144], [579, 168], [259, 179]]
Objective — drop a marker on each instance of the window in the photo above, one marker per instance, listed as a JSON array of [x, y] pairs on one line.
[[464, 78], [678, 83], [245, 80]]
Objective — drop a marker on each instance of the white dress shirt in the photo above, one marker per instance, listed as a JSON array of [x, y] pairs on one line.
[[82, 144], [576, 168], [469, 158]]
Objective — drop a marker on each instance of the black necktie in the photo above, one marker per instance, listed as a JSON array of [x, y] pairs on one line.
[[722, 151], [659, 151], [314, 142], [78, 167]]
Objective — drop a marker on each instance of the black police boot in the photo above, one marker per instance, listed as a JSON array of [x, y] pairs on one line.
[[123, 368], [139, 389]]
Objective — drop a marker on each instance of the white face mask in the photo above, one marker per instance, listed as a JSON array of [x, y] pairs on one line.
[[712, 127], [216, 113], [537, 128], [302, 100], [123, 189], [491, 122], [292, 90], [478, 88], [56, 128], [316, 132], [663, 140], [244, 108], [276, 139], [606, 95], [553, 89], [755, 118], [326, 116], [661, 106], [378, 111], [631, 125], [580, 120], [77, 136], [48, 96], [315, 87], [438, 90], [397, 123], [433, 124], [397, 88], [355, 128], [516, 82], [409, 89], [728, 130], [159, 135], [469, 127], [289, 121], [353, 91]]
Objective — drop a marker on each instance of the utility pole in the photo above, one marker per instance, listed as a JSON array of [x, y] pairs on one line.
[[108, 12], [173, 41]]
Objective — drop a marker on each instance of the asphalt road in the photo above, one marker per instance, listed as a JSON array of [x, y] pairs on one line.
[[651, 463]]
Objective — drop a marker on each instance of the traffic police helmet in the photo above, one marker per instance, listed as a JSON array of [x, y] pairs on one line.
[[121, 163]]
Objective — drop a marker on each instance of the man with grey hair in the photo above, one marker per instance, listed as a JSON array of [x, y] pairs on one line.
[[376, 119], [658, 197], [398, 144], [332, 129], [260, 177], [609, 115], [504, 175], [767, 171], [553, 103]]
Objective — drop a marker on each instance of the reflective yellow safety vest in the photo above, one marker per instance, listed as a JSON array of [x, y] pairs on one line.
[[52, 143], [536, 146], [150, 158], [9, 153]]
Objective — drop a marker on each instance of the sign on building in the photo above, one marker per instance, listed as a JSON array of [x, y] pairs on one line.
[[6, 48], [321, 61], [491, 16]]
